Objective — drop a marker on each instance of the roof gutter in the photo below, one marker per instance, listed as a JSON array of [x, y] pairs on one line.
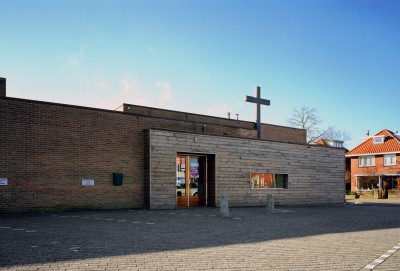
[[366, 154]]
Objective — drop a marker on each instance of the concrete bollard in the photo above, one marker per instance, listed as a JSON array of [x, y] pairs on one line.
[[270, 204], [224, 207]]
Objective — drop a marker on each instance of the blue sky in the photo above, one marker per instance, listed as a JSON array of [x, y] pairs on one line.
[[340, 57]]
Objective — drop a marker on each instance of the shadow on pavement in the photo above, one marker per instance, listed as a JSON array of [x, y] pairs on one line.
[[41, 238]]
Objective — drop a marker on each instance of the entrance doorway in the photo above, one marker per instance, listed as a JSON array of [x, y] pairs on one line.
[[191, 181]]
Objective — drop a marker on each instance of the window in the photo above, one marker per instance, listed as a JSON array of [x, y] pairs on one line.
[[389, 159], [338, 144], [379, 139], [366, 161], [367, 183], [269, 181], [391, 182]]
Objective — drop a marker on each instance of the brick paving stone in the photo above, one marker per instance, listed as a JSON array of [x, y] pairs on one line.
[[390, 264], [305, 238]]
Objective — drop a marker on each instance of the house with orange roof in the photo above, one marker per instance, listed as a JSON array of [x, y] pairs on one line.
[[375, 165], [326, 142]]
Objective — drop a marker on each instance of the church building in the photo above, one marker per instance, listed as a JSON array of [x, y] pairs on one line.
[[58, 157]]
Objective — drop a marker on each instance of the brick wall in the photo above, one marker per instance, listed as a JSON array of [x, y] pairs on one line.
[[378, 169], [283, 134], [47, 149], [214, 125], [316, 174]]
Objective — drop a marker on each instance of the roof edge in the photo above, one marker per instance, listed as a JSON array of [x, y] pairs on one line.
[[367, 154]]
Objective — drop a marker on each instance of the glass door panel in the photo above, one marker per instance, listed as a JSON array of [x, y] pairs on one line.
[[194, 176], [190, 180], [181, 197], [181, 176]]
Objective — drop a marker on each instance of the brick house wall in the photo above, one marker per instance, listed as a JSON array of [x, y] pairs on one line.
[[375, 178], [316, 174], [378, 169], [47, 149]]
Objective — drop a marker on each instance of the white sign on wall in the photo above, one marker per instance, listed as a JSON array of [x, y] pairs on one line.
[[87, 182], [3, 181]]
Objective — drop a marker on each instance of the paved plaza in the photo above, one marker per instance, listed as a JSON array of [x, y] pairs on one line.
[[349, 237]]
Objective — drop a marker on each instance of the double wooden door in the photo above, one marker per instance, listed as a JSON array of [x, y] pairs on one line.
[[191, 183]]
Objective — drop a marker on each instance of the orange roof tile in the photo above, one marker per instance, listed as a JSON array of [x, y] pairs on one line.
[[390, 145], [322, 142]]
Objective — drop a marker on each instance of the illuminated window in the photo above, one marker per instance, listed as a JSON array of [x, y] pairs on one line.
[[269, 181]]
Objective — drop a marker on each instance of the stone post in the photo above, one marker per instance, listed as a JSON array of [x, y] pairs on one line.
[[270, 204], [224, 207]]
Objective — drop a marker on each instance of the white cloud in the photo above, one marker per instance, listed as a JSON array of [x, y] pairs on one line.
[[220, 110], [102, 85], [126, 88], [166, 94], [73, 62], [160, 95], [132, 92], [75, 59], [97, 84]]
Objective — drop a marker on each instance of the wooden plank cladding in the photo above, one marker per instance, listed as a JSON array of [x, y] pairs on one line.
[[315, 174]]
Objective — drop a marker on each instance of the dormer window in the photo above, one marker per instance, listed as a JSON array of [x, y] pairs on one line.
[[379, 139], [338, 144]]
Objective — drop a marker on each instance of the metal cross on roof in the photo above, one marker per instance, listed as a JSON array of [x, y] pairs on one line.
[[258, 101]]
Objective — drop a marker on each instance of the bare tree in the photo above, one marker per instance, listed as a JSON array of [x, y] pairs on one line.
[[334, 134], [347, 177], [307, 118]]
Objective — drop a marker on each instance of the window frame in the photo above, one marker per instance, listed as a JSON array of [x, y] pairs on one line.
[[273, 177], [363, 161], [338, 145], [373, 183], [392, 159], [381, 139]]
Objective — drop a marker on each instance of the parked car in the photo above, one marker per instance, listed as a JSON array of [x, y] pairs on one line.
[[181, 189]]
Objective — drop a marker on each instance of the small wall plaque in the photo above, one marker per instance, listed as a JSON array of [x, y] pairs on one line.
[[87, 182], [3, 181]]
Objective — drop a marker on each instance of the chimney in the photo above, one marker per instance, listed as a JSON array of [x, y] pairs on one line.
[[2, 87], [366, 136]]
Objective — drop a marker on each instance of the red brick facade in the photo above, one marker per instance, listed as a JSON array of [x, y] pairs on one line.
[[47, 149], [370, 176], [378, 169]]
